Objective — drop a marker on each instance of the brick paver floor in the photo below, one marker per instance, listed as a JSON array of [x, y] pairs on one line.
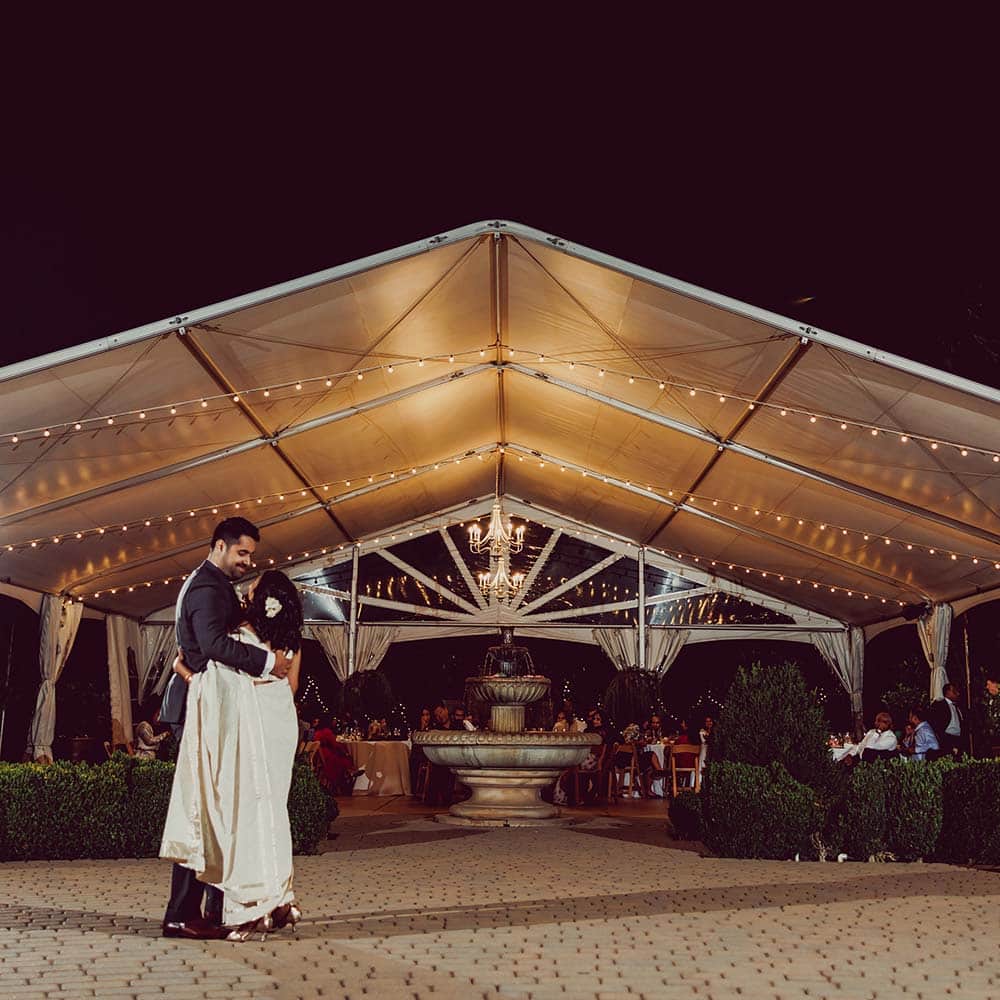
[[399, 906]]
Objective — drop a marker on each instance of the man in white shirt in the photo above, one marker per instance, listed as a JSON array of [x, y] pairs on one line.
[[877, 743]]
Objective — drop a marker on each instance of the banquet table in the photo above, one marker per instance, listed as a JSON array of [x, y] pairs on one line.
[[839, 753], [386, 764]]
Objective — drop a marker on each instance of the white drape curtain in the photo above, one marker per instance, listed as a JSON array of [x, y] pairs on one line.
[[620, 646], [662, 647], [845, 652], [123, 635], [334, 640], [157, 659], [372, 645], [58, 625], [935, 632]]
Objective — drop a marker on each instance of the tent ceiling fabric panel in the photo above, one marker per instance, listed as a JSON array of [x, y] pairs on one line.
[[578, 429], [565, 312], [412, 432], [661, 332]]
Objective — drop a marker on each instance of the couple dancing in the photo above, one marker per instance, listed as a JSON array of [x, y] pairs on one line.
[[230, 702]]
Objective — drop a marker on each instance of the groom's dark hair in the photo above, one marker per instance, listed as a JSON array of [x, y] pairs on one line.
[[233, 529]]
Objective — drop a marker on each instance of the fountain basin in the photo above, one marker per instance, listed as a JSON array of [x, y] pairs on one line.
[[505, 772], [508, 690]]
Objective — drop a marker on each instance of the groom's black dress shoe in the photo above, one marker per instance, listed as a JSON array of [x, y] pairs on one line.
[[193, 930]]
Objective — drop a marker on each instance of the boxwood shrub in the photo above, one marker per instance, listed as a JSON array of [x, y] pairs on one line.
[[913, 806], [117, 809], [970, 831], [862, 819], [757, 812], [685, 815]]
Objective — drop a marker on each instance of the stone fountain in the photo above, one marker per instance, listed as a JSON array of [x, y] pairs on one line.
[[506, 767]]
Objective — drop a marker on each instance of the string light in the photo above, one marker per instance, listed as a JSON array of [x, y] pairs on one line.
[[218, 401], [238, 397]]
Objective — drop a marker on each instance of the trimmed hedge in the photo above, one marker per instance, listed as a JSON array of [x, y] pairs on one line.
[[117, 809], [861, 824], [757, 812], [970, 832], [913, 806], [685, 815]]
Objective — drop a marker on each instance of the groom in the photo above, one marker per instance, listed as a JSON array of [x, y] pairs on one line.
[[207, 611]]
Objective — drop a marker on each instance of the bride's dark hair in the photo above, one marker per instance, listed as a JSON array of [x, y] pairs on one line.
[[283, 629]]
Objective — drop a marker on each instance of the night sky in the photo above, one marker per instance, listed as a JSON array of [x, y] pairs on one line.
[[839, 173], [150, 178]]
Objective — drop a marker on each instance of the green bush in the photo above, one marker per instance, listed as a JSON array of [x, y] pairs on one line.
[[757, 812], [307, 808], [914, 807], [685, 815], [970, 831], [863, 819], [771, 717], [117, 809]]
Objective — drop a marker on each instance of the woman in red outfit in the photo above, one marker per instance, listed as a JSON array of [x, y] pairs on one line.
[[336, 764]]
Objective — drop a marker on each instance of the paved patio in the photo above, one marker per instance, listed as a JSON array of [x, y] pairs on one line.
[[398, 906]]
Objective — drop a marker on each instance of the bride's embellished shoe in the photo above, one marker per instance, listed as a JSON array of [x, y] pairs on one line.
[[285, 916], [262, 926]]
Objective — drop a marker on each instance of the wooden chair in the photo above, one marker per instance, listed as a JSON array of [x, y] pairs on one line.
[[617, 772], [694, 767], [311, 750], [423, 775]]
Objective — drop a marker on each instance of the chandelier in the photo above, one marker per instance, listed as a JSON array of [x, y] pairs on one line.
[[499, 537], [500, 540], [501, 581]]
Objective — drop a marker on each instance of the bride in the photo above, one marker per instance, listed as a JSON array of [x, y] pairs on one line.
[[228, 813]]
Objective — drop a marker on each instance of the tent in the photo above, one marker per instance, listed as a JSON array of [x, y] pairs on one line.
[[668, 448]]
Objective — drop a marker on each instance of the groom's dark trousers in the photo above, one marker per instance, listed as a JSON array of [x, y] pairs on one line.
[[207, 611]]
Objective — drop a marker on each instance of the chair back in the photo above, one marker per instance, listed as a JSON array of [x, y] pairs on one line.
[[685, 759]]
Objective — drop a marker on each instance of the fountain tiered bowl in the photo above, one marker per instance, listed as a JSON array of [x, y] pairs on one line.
[[506, 768]]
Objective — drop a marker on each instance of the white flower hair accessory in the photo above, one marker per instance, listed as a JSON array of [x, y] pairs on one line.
[[271, 607]]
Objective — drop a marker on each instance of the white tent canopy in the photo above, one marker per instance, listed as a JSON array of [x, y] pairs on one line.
[[733, 447]]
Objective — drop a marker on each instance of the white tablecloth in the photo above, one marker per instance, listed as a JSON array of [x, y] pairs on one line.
[[839, 753]]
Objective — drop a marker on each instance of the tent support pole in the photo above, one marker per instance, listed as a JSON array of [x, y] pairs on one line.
[[352, 635], [641, 609]]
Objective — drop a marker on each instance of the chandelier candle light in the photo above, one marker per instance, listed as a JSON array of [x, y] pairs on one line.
[[500, 540]]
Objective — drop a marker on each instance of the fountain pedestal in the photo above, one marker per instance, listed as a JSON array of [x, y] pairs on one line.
[[506, 768]]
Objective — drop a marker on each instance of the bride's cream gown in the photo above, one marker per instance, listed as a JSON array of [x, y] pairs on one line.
[[228, 814]]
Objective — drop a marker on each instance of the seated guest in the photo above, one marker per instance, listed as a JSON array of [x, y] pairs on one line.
[[562, 723], [146, 741], [654, 729], [878, 743], [425, 722], [706, 729], [441, 783], [336, 771], [598, 761], [644, 758], [925, 742], [459, 721]]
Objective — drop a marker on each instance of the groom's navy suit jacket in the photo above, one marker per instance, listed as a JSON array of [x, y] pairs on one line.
[[207, 611]]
